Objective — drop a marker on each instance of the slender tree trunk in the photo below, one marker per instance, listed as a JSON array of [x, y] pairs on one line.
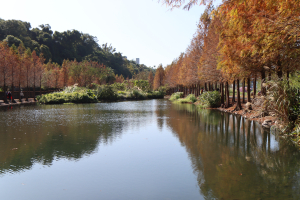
[[279, 71], [27, 88], [244, 90], [34, 86], [194, 89], [12, 93], [12, 85], [248, 89], [222, 93], [5, 90], [288, 77], [238, 104], [40, 85], [254, 87], [4, 87], [216, 85], [233, 92], [205, 86], [20, 91], [227, 94], [263, 78]]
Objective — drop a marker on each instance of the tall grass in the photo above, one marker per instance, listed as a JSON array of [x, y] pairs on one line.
[[283, 99]]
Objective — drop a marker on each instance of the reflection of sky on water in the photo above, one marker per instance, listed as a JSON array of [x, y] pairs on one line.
[[141, 150]]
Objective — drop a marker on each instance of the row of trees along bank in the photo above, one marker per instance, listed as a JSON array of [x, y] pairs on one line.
[[239, 41], [21, 68]]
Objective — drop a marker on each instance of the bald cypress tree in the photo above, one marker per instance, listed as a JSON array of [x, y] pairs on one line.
[[159, 77]]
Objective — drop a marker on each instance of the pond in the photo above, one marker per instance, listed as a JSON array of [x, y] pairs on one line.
[[150, 149]]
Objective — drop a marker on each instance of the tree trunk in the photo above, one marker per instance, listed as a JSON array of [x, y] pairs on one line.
[[222, 93], [27, 93], [248, 89], [205, 86], [254, 87], [263, 78], [40, 85], [34, 87], [5, 90], [12, 86], [12, 93], [244, 90], [20, 92], [227, 94], [279, 71], [288, 77], [216, 85], [233, 92], [238, 104]]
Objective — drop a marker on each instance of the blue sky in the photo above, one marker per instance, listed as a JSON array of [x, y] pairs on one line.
[[142, 29]]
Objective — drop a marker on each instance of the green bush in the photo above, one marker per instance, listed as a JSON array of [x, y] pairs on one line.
[[119, 86], [121, 92], [62, 97], [189, 99], [142, 84], [106, 92], [135, 94], [176, 96], [210, 99], [155, 95]]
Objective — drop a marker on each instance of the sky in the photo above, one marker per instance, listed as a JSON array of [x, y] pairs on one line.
[[143, 29]]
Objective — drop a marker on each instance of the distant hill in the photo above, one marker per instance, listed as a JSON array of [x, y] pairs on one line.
[[67, 45]]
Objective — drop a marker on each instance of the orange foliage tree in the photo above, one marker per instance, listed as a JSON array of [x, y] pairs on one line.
[[159, 77]]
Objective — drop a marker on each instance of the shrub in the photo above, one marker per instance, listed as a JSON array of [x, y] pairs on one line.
[[162, 89], [284, 101], [106, 92], [119, 86], [210, 99], [155, 95], [135, 94], [62, 97], [176, 96], [142, 84], [121, 92], [189, 99]]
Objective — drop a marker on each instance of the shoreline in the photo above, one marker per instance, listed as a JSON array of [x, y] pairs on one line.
[[18, 103], [269, 122]]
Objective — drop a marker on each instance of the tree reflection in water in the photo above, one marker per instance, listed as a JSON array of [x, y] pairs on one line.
[[42, 135], [234, 158]]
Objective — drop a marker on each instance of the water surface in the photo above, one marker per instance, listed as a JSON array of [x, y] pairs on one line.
[[141, 150]]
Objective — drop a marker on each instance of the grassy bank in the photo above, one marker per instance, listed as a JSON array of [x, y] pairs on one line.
[[98, 93]]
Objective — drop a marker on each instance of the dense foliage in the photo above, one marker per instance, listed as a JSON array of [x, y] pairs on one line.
[[189, 99], [176, 96], [284, 101], [97, 93], [210, 99], [241, 41], [68, 45]]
